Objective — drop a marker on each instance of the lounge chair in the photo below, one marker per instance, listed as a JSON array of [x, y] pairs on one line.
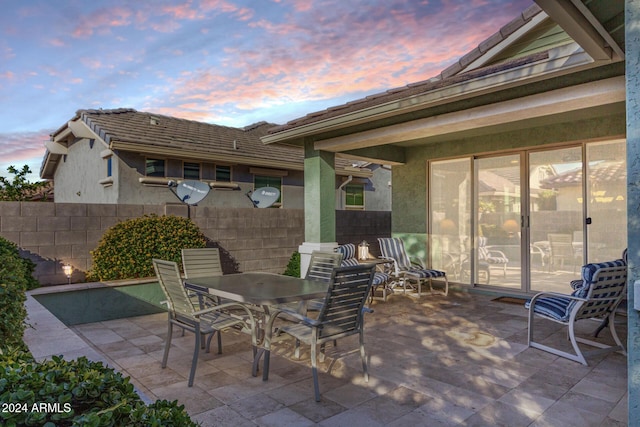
[[404, 270], [380, 279], [491, 256]]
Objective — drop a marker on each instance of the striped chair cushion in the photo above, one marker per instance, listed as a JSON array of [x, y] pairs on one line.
[[555, 307], [394, 248], [348, 251], [349, 262], [588, 271], [380, 278], [496, 260], [425, 274]]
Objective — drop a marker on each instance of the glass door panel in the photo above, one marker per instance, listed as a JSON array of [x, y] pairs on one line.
[[498, 213], [555, 218], [607, 205], [450, 207]]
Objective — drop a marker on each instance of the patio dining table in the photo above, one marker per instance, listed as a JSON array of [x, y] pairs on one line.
[[266, 290]]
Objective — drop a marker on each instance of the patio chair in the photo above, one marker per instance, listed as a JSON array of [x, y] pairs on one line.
[[380, 279], [561, 249], [183, 313], [342, 315], [320, 269], [491, 256], [392, 248], [602, 289], [201, 262]]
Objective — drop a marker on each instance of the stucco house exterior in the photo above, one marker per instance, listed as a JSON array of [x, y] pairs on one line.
[[124, 156], [557, 88]]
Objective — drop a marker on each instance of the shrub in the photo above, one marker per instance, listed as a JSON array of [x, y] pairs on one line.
[[77, 392], [15, 279], [293, 268], [126, 250]]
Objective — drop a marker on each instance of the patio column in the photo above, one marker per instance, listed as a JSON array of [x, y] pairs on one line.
[[632, 37], [319, 204]]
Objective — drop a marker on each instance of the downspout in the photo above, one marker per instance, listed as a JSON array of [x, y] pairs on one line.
[[349, 179]]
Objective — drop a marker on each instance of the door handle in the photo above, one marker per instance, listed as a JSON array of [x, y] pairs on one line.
[[587, 221]]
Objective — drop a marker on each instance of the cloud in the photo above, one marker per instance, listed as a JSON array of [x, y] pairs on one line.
[[23, 146], [102, 20], [333, 52]]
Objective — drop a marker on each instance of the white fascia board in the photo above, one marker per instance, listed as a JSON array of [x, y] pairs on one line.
[[561, 60], [81, 130], [559, 101]]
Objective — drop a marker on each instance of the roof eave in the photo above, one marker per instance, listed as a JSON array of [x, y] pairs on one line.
[[561, 60], [576, 19]]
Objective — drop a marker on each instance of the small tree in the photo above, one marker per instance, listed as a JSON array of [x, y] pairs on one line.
[[19, 188]]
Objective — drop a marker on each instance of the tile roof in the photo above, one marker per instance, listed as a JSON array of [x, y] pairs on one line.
[[450, 76], [602, 172], [126, 125], [146, 132]]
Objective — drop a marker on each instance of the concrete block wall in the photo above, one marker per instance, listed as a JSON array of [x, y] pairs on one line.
[[53, 234]]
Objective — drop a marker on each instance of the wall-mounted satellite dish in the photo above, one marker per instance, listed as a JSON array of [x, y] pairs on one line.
[[190, 192], [264, 197]]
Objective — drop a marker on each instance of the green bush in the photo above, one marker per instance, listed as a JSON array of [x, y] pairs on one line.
[[15, 279], [76, 392], [127, 249], [293, 268]]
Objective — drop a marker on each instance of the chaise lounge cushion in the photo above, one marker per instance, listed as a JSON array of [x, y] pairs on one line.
[[349, 259]]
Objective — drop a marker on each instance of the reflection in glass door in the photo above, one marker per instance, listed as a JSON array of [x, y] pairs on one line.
[[555, 218], [498, 215], [607, 204], [521, 221]]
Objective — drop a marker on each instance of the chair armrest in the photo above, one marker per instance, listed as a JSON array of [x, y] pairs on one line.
[[396, 271], [298, 316], [554, 294], [418, 262], [224, 307], [496, 251]]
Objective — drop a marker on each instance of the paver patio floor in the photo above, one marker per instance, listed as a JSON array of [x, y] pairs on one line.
[[437, 361]]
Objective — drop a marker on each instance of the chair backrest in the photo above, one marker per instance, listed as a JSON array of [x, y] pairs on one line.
[[348, 252], [322, 264], [171, 283], [342, 313], [604, 289], [201, 262], [483, 252], [560, 244], [393, 247]]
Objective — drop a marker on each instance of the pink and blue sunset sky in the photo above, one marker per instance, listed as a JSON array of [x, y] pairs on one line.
[[227, 62]]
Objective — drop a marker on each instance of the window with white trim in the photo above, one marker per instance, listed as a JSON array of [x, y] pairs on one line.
[[354, 196]]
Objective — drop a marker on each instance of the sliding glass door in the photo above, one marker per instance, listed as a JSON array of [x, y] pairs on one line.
[[555, 218], [527, 221], [498, 198]]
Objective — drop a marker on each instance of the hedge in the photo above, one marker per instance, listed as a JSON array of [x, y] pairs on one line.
[[127, 249], [80, 392]]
